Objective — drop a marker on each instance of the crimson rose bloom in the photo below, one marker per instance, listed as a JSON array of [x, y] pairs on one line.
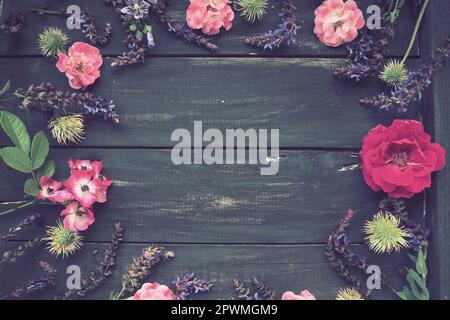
[[400, 159]]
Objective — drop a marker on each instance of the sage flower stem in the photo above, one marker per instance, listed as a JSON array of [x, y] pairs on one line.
[[416, 30], [22, 206]]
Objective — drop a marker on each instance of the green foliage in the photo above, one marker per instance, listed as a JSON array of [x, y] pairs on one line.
[[417, 279], [394, 10], [16, 130], [39, 150], [31, 187], [24, 156], [47, 169]]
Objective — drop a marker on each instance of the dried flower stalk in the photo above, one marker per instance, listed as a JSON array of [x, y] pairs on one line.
[[103, 272]]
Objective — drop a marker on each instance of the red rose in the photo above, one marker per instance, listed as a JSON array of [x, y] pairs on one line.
[[400, 159]]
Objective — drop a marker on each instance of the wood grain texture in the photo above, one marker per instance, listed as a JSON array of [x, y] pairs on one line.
[[301, 97], [230, 43], [436, 118], [282, 267], [161, 202]]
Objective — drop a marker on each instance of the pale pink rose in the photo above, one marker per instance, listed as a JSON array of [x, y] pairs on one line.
[[94, 167], [154, 291], [50, 190], [77, 218], [81, 65], [337, 22], [210, 15], [304, 295], [84, 187]]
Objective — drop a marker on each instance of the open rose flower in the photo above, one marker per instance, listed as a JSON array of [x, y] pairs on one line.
[[85, 188], [400, 159], [304, 295], [50, 190], [154, 291], [81, 65], [94, 167], [337, 22], [77, 218], [209, 15]]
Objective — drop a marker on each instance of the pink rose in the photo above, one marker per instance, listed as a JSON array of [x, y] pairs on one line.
[[94, 167], [209, 15], [50, 189], [81, 65], [77, 218], [304, 295], [85, 188], [337, 22], [154, 291]]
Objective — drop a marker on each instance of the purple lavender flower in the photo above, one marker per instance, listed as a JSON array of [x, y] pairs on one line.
[[190, 284], [284, 34], [137, 8]]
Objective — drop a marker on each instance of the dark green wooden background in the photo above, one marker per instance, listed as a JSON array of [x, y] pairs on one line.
[[225, 221]]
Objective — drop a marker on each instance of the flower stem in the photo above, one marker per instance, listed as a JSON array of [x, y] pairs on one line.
[[22, 206], [416, 30], [49, 12]]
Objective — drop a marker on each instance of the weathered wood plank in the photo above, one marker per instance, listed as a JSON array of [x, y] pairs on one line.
[[300, 97], [162, 202], [231, 42], [438, 200], [282, 267]]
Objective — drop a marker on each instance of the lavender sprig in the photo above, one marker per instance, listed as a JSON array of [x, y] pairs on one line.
[[45, 281], [341, 257], [45, 98], [180, 29], [364, 60], [242, 291], [91, 32], [134, 15], [13, 24], [284, 34], [262, 291], [400, 100], [103, 272], [141, 267], [12, 255], [34, 219], [190, 284]]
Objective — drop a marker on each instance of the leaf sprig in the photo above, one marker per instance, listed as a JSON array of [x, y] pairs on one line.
[[26, 155], [417, 279]]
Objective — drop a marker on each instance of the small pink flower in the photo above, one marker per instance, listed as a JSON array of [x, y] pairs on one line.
[[84, 187], [154, 291], [77, 218], [50, 189], [81, 65], [94, 167], [209, 15], [304, 295], [337, 22]]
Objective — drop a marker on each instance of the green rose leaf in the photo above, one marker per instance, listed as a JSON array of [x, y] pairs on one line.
[[39, 150], [17, 159], [421, 264], [406, 294], [16, 130], [47, 169], [31, 187]]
